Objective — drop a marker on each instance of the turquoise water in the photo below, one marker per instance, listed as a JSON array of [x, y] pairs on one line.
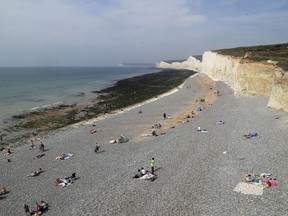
[[28, 89]]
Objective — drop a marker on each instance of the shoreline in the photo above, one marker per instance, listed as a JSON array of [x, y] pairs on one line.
[[74, 113]]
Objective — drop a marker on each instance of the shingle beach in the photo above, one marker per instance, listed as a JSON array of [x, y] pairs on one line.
[[196, 172]]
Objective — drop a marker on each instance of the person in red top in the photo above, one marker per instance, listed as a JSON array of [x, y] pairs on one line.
[[37, 207]]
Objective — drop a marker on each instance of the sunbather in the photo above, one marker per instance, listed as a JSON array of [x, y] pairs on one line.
[[147, 176], [248, 136], [35, 173], [220, 122]]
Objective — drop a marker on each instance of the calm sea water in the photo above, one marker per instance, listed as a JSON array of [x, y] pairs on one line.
[[28, 89]]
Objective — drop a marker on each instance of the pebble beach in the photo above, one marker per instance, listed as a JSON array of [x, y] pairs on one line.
[[196, 172]]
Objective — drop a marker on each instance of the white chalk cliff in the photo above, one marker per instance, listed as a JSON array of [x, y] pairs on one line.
[[245, 77]]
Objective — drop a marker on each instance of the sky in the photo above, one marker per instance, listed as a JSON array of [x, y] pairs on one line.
[[109, 32]]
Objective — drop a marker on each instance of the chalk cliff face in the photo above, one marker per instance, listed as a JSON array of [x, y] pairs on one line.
[[246, 78], [190, 64]]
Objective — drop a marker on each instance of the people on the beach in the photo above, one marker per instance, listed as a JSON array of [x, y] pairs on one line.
[[64, 156], [164, 116], [7, 151], [38, 207], [3, 191], [35, 173], [42, 147], [44, 205], [143, 171], [152, 165], [139, 174], [93, 131], [220, 122], [154, 131], [97, 147], [199, 129], [251, 135], [32, 144], [147, 176]]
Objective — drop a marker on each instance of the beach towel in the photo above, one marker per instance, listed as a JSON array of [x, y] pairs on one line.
[[246, 188], [66, 156]]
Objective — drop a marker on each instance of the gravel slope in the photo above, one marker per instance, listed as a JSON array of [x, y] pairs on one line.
[[194, 177]]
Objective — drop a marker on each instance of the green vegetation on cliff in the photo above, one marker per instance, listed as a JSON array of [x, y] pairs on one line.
[[275, 52]]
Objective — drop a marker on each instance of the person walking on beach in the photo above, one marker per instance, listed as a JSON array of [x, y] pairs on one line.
[[164, 115], [152, 164], [32, 144], [97, 147]]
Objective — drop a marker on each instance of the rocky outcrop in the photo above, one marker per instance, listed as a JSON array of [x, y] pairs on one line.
[[245, 77], [190, 64]]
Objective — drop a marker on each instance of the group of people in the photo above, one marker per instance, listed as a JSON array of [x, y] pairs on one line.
[[39, 208], [145, 174], [165, 116], [66, 180], [41, 146], [264, 179], [7, 151]]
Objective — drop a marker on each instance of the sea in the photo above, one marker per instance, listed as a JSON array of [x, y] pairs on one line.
[[26, 89]]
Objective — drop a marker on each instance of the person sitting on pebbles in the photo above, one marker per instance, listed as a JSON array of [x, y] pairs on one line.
[[42, 147], [3, 191]]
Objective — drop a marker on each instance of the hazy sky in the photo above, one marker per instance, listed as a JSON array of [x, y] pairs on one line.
[[107, 32]]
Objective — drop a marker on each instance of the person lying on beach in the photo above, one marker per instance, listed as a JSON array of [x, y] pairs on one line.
[[44, 206], [93, 131], [114, 141], [64, 182], [8, 152], [3, 191], [220, 122], [201, 130], [248, 136], [147, 176], [64, 156], [35, 173]]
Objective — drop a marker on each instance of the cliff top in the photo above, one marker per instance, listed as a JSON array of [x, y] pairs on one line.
[[275, 52]]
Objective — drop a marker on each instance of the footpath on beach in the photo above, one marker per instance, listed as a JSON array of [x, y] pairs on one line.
[[204, 165]]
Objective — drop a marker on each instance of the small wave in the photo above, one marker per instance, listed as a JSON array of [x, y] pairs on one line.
[[34, 108], [44, 106], [60, 102]]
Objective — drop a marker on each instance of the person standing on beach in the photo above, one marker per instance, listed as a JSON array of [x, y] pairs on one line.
[[164, 115], [32, 144], [152, 163]]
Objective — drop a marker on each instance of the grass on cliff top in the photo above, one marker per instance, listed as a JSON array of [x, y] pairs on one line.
[[275, 52]]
